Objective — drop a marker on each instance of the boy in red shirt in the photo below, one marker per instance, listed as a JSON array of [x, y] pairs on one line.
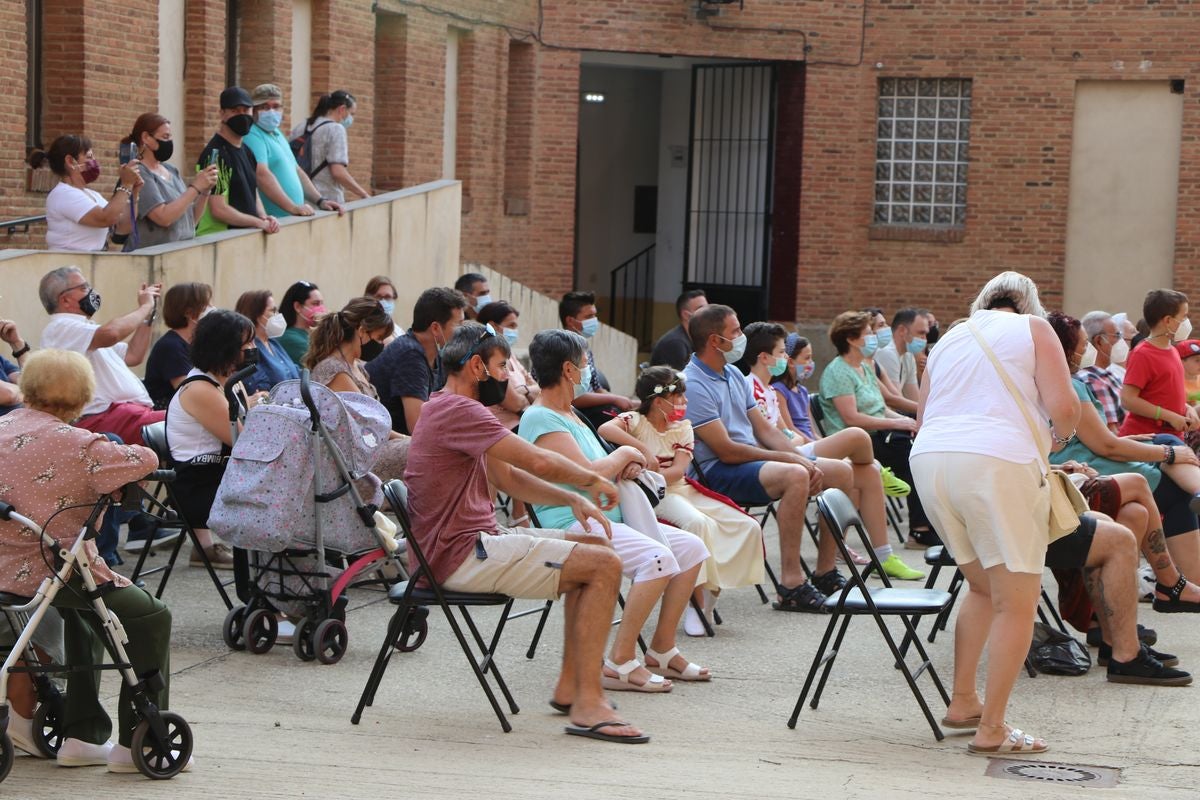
[[1153, 393]]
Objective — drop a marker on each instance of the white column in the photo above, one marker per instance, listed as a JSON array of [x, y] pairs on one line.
[[171, 50], [299, 103]]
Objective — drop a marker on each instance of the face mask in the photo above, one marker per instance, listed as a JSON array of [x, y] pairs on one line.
[[492, 391], [1183, 331], [1089, 357], [933, 335], [804, 372], [240, 124], [249, 358], [482, 301], [739, 349], [439, 345], [585, 381], [869, 346], [90, 170], [590, 327], [276, 326], [371, 349], [270, 120], [90, 303], [916, 346], [884, 336], [164, 150], [311, 313], [348, 121], [389, 306], [511, 334], [1120, 352], [677, 413], [778, 368]]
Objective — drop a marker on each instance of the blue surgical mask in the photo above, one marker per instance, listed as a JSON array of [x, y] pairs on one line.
[[482, 301], [779, 367], [590, 327], [511, 334], [270, 120], [870, 345], [916, 346], [739, 349], [804, 372], [884, 335], [585, 380], [348, 121], [389, 306]]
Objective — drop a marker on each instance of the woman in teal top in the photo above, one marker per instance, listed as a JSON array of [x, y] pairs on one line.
[[664, 563]]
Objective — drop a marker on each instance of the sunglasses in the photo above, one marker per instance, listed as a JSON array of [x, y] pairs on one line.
[[488, 330]]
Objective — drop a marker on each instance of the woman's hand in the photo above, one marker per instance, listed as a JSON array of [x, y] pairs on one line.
[[630, 454], [130, 177], [256, 398], [206, 178], [905, 424], [631, 471]]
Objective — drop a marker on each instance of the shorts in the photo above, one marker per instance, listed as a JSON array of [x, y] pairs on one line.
[[1071, 551], [647, 558], [524, 563], [738, 482], [124, 419], [986, 508]]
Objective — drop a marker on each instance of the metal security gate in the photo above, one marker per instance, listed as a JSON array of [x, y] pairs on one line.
[[727, 247]]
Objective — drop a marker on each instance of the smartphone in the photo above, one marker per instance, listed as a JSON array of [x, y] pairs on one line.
[[127, 153], [214, 158]]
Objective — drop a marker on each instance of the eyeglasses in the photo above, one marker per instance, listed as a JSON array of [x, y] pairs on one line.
[[85, 286], [488, 330]]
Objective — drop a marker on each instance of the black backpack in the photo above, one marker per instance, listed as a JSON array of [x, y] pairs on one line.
[[302, 150]]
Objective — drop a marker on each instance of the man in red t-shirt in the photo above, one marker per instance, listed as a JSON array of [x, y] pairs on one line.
[[1153, 392], [459, 449]]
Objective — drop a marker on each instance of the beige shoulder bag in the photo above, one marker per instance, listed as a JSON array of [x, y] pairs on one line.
[[1066, 502]]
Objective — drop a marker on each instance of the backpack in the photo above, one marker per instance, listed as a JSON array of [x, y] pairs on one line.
[[302, 150]]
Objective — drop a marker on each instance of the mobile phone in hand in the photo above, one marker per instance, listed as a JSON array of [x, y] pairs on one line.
[[127, 153]]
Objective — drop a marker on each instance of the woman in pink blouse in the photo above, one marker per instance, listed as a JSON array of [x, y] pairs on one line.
[[55, 473]]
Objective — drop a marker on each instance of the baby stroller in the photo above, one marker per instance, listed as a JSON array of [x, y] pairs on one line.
[[162, 740], [292, 504]]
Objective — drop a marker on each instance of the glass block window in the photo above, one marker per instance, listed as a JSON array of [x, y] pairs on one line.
[[922, 136]]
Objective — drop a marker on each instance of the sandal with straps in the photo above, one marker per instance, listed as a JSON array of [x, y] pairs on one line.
[[804, 598], [1017, 741], [692, 672], [1174, 605], [621, 683]]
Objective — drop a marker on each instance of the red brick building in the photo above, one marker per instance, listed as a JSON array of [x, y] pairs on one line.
[[803, 155]]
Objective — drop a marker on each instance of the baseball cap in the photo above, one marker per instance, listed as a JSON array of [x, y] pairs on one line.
[[264, 92], [235, 96], [1188, 348]]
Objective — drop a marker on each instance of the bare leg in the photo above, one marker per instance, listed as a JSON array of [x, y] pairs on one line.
[[1111, 563], [640, 601], [1136, 492], [789, 483], [970, 636], [674, 601]]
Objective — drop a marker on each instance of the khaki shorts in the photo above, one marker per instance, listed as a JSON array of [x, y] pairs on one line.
[[521, 562]]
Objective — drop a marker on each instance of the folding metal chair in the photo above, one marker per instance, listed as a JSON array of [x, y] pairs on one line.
[[155, 437], [857, 599], [421, 590]]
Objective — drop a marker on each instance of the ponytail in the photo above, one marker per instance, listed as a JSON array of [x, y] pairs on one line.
[[329, 102], [337, 328]]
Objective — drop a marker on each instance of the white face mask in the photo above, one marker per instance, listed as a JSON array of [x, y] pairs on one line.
[[1183, 331], [276, 326], [1089, 357], [1120, 352]]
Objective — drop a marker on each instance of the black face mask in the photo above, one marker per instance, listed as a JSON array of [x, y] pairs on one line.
[[933, 335], [166, 148], [371, 349], [492, 391], [249, 358], [90, 303], [240, 124]]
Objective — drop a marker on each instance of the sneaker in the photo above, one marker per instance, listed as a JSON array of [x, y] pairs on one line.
[[894, 567], [120, 760], [921, 540], [77, 753], [893, 486], [20, 731], [1146, 635], [219, 555], [1146, 669], [1146, 581], [137, 537], [1105, 656], [692, 625], [829, 583]]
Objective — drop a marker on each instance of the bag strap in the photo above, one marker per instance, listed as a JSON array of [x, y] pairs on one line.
[[1012, 389]]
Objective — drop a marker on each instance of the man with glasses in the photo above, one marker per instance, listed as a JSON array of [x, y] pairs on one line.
[[1106, 345]]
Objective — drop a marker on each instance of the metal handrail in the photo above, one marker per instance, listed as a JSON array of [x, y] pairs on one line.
[[23, 223], [632, 309]]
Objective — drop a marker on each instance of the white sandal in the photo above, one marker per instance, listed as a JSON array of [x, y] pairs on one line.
[[621, 683], [692, 672]]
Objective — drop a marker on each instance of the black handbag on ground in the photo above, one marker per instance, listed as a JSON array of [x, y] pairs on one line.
[[1053, 652]]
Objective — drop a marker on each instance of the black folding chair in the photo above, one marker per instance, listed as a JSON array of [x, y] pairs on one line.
[[421, 590], [857, 599], [167, 514]]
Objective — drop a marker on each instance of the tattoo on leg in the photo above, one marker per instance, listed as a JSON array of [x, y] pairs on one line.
[[1157, 545], [1094, 584]]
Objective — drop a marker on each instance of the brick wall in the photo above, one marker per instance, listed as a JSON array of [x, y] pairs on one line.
[[265, 51]]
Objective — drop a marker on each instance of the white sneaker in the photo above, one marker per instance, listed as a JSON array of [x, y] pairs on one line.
[[76, 753], [20, 731], [692, 625], [1146, 581], [120, 759]]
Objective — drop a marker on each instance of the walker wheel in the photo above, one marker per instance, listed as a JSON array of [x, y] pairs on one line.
[[416, 628], [162, 759], [47, 727], [302, 642], [329, 641], [6, 755], [260, 630], [232, 630]]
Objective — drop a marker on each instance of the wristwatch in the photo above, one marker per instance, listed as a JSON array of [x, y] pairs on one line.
[[22, 351]]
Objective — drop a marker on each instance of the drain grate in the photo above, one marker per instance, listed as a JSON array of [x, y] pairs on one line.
[[1051, 772]]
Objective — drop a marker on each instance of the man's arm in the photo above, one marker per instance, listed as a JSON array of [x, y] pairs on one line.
[[139, 345], [532, 460], [593, 399], [313, 197], [220, 208], [768, 435], [268, 186], [716, 436], [10, 393], [412, 411], [119, 329], [343, 176]]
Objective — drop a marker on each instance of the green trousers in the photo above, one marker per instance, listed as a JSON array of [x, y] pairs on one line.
[[147, 623]]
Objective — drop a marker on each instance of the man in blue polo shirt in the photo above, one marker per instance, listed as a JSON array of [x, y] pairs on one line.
[[285, 189], [744, 457]]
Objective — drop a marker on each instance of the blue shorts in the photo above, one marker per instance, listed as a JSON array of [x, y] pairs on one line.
[[738, 482]]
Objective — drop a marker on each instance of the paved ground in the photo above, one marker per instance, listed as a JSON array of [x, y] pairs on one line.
[[270, 726]]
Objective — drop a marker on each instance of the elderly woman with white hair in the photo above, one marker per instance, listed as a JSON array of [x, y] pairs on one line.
[[979, 466]]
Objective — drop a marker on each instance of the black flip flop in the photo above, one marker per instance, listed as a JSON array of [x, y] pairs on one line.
[[565, 708], [593, 732]]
